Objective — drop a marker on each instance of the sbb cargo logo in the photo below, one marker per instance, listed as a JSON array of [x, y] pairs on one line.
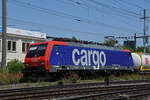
[[93, 58]]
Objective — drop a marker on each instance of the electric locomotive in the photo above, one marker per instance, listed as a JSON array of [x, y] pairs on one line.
[[57, 56]]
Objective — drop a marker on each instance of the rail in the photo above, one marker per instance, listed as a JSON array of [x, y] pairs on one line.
[[68, 90]]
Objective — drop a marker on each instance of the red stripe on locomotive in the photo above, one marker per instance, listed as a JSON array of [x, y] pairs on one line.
[[49, 50], [46, 57]]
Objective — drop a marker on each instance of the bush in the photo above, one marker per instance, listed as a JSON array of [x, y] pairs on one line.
[[12, 73], [15, 66]]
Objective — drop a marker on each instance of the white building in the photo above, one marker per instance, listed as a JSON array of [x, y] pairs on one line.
[[18, 41]]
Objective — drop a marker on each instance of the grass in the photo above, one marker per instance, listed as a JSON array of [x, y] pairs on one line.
[[12, 73], [74, 78], [134, 76], [10, 78], [13, 78], [6, 77]]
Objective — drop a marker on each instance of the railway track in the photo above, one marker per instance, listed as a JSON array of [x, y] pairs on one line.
[[69, 90], [139, 92]]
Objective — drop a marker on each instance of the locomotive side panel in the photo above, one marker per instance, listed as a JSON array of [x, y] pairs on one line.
[[78, 58]]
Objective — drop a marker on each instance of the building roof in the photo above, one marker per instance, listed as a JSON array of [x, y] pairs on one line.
[[24, 37], [24, 33]]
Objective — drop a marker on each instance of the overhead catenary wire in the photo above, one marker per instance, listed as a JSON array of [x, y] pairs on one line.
[[129, 3], [119, 4], [67, 16], [72, 3], [52, 26], [115, 16], [102, 10], [147, 1], [87, 5], [120, 10]]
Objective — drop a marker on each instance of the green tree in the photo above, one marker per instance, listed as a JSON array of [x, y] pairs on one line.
[[74, 38], [110, 42], [148, 49], [141, 49]]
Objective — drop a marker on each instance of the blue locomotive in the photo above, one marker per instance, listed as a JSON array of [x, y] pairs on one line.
[[54, 56]]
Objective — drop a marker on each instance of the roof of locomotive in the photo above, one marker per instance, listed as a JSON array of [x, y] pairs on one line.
[[95, 46], [84, 44]]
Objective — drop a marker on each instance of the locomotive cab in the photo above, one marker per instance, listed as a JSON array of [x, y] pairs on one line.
[[38, 56], [35, 59]]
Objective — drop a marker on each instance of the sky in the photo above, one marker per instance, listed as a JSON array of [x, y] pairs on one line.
[[90, 20]]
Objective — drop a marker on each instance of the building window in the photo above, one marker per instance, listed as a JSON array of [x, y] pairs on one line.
[[11, 46], [14, 46], [25, 47]]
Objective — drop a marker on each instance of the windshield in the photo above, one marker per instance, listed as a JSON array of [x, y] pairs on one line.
[[36, 50]]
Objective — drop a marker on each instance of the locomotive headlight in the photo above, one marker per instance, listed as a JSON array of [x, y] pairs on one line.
[[27, 64], [42, 63]]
